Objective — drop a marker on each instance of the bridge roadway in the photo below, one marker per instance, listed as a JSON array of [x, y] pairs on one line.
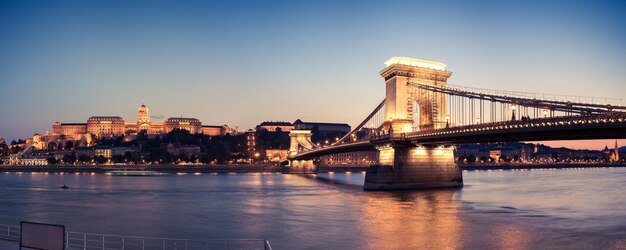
[[597, 126]]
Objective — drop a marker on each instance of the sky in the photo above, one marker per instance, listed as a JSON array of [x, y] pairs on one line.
[[244, 62]]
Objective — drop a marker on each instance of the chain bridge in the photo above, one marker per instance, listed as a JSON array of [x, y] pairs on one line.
[[415, 127]]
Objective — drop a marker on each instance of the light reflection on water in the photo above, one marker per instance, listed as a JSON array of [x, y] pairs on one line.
[[577, 208]]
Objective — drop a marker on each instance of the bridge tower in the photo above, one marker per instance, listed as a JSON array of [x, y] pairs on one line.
[[300, 140], [401, 98], [405, 165]]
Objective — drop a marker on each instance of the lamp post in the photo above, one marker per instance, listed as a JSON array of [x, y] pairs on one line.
[[513, 107], [545, 113], [447, 121]]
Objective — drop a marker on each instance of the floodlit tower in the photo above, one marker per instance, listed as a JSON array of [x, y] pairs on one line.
[[143, 118], [615, 155]]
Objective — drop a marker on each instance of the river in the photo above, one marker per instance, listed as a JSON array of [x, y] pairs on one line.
[[504, 209]]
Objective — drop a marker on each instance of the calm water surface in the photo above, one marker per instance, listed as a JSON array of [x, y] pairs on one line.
[[554, 209]]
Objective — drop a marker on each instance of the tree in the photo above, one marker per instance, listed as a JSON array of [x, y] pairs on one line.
[[100, 159], [69, 145], [118, 158], [193, 158], [142, 135], [128, 157], [51, 160], [70, 158], [471, 158], [84, 158], [183, 158]]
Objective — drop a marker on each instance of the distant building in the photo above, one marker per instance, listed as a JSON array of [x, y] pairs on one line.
[[192, 125], [611, 155], [273, 126], [69, 128], [322, 126], [276, 155], [495, 154], [351, 158], [115, 125], [178, 149], [212, 130], [25, 157], [104, 151], [108, 152], [250, 142], [105, 125]]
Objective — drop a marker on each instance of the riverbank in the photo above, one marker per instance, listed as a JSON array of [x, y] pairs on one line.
[[510, 166], [268, 168], [208, 168]]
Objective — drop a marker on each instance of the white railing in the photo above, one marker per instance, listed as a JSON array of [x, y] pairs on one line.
[[89, 241], [8, 232]]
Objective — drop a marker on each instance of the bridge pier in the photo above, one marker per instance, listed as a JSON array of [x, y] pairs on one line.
[[302, 167], [414, 167]]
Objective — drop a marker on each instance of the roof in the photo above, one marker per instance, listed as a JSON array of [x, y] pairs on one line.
[[415, 63], [106, 117], [73, 124], [319, 123], [181, 119], [212, 126], [270, 123]]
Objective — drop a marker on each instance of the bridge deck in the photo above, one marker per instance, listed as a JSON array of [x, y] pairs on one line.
[[597, 126]]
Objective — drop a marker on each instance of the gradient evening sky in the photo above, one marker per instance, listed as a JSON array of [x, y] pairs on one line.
[[241, 63]]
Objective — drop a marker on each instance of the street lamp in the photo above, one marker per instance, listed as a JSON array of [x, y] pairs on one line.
[[545, 113], [513, 107]]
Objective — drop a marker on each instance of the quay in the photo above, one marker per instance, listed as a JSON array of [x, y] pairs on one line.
[[511, 166], [205, 168]]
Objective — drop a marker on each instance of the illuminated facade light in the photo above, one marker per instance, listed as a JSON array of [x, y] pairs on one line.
[[400, 60]]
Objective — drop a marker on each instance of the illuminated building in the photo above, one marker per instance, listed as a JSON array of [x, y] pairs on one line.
[[276, 155], [350, 158], [212, 130], [105, 125], [273, 126], [69, 128], [114, 125], [612, 155], [143, 118], [251, 142], [105, 152], [192, 125], [178, 149]]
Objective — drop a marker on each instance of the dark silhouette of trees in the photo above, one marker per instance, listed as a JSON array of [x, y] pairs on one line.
[[84, 158], [52, 160], [69, 145], [69, 158]]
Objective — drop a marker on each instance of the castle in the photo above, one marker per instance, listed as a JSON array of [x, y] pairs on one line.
[[114, 125], [83, 134]]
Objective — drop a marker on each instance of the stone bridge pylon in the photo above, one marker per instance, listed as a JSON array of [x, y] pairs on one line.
[[300, 141], [404, 165]]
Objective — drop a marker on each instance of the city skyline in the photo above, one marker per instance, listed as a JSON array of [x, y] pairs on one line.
[[66, 62]]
